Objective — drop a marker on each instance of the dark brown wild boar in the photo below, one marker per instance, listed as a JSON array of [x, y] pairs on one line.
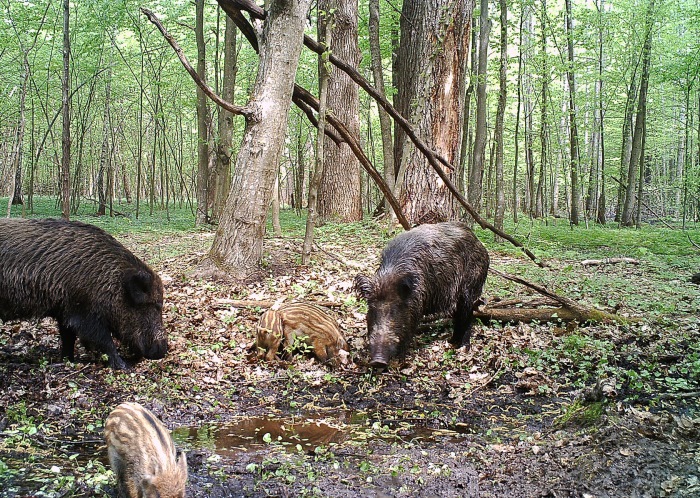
[[91, 284], [430, 269], [142, 455], [299, 324]]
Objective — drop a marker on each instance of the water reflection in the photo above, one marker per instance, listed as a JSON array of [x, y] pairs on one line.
[[254, 433]]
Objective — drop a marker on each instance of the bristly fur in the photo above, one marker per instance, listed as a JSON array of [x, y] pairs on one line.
[[430, 269], [280, 329], [84, 278], [142, 455]]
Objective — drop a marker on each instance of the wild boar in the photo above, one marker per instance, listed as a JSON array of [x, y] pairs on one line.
[[299, 324], [437, 268], [142, 455], [91, 284]]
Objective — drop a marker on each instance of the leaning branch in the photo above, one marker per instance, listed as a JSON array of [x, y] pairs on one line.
[[434, 159], [232, 108]]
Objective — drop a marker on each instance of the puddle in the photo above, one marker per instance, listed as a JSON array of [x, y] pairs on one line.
[[255, 433], [308, 433]]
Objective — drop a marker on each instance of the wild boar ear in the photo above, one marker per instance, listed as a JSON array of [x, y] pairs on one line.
[[363, 286], [406, 286], [137, 285]]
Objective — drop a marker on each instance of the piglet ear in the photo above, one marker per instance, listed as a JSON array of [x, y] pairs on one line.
[[137, 285], [182, 464], [363, 286]]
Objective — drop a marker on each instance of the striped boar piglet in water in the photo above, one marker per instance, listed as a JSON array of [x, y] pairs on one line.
[[142, 455]]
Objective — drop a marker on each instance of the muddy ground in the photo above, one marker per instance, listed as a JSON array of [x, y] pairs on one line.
[[518, 415]]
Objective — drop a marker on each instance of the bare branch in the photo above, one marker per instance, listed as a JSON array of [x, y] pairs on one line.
[[232, 108]]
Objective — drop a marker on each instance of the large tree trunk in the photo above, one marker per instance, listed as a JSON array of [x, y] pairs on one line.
[[340, 192], [203, 122], [237, 245], [384, 119], [573, 130], [65, 139], [434, 43], [636, 152], [18, 147]]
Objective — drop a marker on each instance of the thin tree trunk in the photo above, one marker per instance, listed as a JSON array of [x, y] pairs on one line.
[[517, 116], [325, 35], [573, 130], [600, 215], [636, 153], [203, 122], [498, 134], [65, 138], [105, 151], [384, 119], [224, 150], [476, 172]]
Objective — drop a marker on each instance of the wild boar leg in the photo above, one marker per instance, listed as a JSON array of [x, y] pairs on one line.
[[95, 334]]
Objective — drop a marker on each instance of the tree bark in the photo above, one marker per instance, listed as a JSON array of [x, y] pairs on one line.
[[434, 43], [339, 196], [237, 245]]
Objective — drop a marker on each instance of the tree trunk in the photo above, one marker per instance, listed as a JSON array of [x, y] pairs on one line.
[[237, 245], [600, 215], [325, 35], [476, 172], [636, 152], [538, 200], [18, 148], [65, 138], [498, 133], [224, 151], [384, 119], [203, 122], [434, 43], [573, 141], [105, 151], [340, 196]]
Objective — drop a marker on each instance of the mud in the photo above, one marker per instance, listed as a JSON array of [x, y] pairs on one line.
[[500, 420]]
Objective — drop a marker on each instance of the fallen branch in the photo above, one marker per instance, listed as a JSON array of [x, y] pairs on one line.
[[579, 312], [608, 261]]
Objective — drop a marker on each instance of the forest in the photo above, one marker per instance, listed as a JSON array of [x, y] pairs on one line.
[[257, 155]]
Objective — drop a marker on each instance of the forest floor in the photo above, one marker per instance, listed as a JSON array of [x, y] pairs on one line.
[[517, 415]]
